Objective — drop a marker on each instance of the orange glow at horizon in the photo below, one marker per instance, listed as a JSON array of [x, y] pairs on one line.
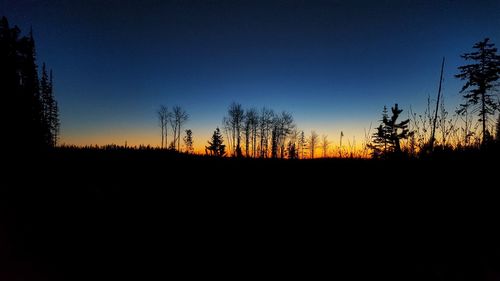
[[150, 137]]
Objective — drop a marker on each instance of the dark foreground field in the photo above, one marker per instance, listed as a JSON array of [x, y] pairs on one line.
[[150, 215]]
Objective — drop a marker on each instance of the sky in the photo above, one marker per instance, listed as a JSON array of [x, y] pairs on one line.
[[332, 64]]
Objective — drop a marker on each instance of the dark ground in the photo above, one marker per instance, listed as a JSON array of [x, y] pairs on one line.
[[109, 215]]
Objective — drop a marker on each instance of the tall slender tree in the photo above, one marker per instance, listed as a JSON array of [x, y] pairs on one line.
[[45, 97], [10, 85], [292, 144], [54, 121], [433, 132], [30, 93], [324, 145], [313, 141], [480, 77], [274, 142], [247, 131], [233, 124], [282, 126], [286, 125], [251, 127], [265, 126], [163, 118], [50, 114], [302, 142], [178, 117]]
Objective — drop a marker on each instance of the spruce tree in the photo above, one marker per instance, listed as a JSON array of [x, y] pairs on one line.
[[386, 140], [480, 77], [216, 146], [45, 97]]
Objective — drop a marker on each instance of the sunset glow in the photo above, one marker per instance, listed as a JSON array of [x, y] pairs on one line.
[[332, 77]]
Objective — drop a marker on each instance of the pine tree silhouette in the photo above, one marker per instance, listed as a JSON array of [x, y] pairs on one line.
[[30, 117], [216, 146], [386, 140], [480, 77]]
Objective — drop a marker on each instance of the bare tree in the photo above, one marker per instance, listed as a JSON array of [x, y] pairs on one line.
[[226, 127], [252, 117], [250, 125], [247, 131], [313, 141], [286, 126], [282, 126], [292, 144], [274, 139], [447, 125], [178, 118], [265, 124], [433, 133], [234, 124], [163, 118], [324, 145]]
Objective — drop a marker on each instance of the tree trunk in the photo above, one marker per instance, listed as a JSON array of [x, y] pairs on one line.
[[162, 135]]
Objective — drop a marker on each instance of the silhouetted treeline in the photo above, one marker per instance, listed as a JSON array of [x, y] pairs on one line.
[[176, 118], [30, 115], [266, 134], [263, 134]]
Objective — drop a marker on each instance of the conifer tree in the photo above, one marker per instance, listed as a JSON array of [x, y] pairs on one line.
[[386, 139], [216, 146], [480, 77], [188, 141]]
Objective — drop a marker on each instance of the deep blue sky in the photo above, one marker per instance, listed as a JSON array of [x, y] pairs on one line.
[[332, 64]]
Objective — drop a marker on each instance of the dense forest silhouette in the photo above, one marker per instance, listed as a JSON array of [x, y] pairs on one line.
[[257, 201], [30, 117]]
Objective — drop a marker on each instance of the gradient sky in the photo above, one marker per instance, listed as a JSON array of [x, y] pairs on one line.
[[332, 64]]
